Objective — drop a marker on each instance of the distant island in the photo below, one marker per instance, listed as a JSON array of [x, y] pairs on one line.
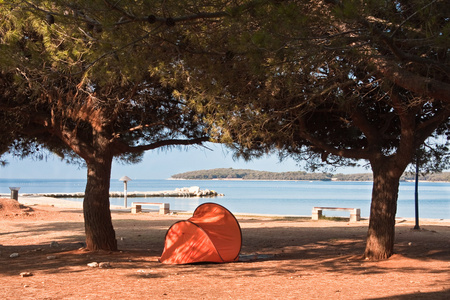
[[246, 174]]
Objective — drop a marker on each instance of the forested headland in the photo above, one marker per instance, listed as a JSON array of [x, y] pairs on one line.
[[247, 174]]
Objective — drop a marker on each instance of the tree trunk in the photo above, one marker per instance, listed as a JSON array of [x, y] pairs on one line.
[[381, 233], [100, 234]]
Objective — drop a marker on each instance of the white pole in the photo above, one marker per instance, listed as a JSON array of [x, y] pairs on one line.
[[125, 193], [125, 180]]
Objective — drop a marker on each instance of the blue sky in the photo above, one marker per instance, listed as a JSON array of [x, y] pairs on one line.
[[157, 164]]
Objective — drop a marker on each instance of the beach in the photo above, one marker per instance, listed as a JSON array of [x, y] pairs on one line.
[[281, 258]]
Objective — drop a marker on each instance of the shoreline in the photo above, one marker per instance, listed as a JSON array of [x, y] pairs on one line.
[[303, 180], [62, 203], [221, 179]]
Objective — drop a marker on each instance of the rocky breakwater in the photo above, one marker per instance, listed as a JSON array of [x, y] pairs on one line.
[[193, 191]]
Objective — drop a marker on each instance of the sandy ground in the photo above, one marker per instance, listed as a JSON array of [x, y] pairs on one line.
[[282, 258]]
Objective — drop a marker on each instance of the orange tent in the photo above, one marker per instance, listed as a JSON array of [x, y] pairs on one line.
[[212, 234]]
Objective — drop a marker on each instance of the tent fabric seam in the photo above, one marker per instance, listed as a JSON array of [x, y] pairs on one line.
[[239, 226]]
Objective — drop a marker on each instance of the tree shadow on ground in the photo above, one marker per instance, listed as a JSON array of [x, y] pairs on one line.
[[135, 238], [444, 294], [283, 250]]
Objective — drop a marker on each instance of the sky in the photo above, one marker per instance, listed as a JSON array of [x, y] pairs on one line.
[[157, 164]]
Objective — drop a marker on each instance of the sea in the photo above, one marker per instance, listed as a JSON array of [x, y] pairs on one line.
[[285, 198]]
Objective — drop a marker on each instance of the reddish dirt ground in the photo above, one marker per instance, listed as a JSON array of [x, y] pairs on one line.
[[282, 258]]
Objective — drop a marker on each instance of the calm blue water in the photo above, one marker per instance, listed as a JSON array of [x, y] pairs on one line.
[[264, 197]]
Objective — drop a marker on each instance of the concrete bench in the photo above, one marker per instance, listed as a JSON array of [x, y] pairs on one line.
[[136, 207], [355, 213]]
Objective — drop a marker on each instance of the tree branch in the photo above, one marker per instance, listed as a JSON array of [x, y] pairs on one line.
[[425, 129], [412, 15], [165, 143], [407, 119], [399, 53], [361, 122], [347, 153], [411, 58], [425, 87]]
